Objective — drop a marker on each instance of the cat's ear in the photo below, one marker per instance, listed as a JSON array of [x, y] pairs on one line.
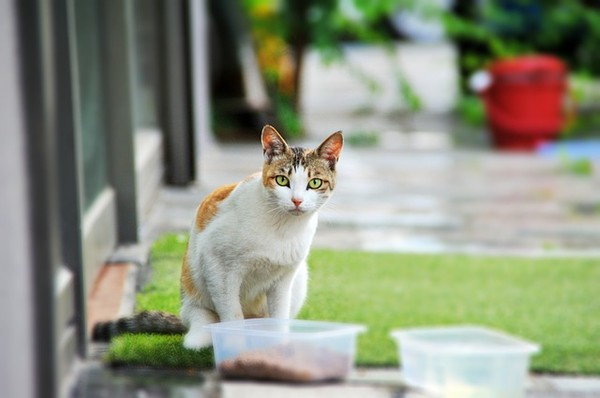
[[273, 144], [331, 148]]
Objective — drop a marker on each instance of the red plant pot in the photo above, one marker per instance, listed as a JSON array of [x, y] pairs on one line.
[[525, 101]]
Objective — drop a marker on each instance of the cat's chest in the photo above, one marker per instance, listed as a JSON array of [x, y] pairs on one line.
[[286, 244], [273, 251]]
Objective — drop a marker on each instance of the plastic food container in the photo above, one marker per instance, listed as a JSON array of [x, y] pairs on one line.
[[284, 349], [465, 362]]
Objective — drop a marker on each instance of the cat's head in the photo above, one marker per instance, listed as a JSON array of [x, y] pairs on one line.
[[297, 180]]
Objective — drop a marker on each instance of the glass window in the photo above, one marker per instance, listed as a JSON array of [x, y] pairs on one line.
[[147, 42], [91, 98]]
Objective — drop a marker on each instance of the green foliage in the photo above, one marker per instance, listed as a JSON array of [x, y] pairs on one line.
[[362, 138], [550, 301], [580, 167], [290, 120], [285, 29], [407, 93], [568, 29], [584, 91], [583, 126], [471, 110]]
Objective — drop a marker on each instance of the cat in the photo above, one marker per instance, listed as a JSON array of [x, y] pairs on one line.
[[247, 250]]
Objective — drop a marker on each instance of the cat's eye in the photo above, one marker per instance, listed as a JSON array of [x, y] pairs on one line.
[[282, 180], [315, 183]]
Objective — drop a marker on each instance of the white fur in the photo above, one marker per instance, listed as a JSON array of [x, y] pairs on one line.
[[256, 244]]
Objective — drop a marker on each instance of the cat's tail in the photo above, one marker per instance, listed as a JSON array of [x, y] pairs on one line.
[[143, 322]]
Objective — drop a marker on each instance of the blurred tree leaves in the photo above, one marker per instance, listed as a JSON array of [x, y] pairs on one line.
[[569, 29], [284, 29], [482, 30]]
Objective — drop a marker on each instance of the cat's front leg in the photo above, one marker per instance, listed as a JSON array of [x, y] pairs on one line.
[[195, 317], [279, 296], [298, 289], [225, 293]]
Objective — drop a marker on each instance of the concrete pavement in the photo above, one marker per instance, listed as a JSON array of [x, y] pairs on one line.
[[436, 198]]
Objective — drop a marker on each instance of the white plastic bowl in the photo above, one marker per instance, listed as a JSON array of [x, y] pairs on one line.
[[284, 349], [465, 362]]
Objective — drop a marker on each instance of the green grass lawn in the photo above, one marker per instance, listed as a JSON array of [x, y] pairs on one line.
[[553, 302]]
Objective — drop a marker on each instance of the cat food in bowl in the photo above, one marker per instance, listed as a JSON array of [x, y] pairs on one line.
[[464, 361], [284, 349]]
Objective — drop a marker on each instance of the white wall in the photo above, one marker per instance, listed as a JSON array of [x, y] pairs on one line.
[[17, 378]]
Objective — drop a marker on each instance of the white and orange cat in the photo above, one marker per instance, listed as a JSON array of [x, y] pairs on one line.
[[248, 245]]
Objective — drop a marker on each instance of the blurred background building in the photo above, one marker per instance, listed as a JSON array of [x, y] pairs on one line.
[[102, 101]]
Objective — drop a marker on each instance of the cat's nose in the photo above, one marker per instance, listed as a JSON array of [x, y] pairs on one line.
[[297, 202]]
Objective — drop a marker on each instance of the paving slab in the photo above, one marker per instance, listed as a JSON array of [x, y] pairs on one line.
[[442, 199]]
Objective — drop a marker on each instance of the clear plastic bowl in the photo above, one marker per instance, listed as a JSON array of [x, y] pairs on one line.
[[284, 349], [465, 362]]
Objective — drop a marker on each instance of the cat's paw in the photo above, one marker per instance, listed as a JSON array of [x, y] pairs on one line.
[[197, 340]]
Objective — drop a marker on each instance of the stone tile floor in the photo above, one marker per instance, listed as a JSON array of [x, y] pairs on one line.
[[429, 199]]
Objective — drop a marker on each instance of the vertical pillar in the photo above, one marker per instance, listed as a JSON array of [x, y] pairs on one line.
[[176, 110], [119, 54]]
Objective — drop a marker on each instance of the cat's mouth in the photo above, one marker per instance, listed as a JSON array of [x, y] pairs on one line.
[[296, 211]]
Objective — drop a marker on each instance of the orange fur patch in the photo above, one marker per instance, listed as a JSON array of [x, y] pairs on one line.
[[186, 280], [256, 308], [206, 211], [209, 206]]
